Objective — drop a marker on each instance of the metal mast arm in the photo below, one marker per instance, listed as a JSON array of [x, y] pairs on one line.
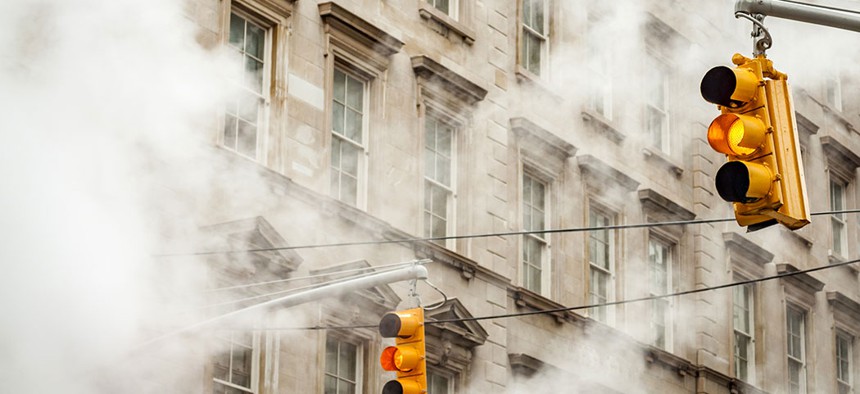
[[803, 12]]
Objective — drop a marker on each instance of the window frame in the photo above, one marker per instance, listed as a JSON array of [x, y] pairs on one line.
[[363, 149], [268, 25], [543, 240], [840, 219], [450, 377], [599, 62], [668, 317], [843, 385], [453, 8], [255, 364], [800, 359], [749, 374], [441, 118], [655, 62], [833, 93], [544, 39], [360, 349], [608, 312]]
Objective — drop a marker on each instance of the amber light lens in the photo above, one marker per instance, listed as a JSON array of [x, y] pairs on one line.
[[399, 358], [737, 135]]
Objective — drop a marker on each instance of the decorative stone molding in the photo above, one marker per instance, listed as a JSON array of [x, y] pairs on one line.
[[737, 244], [844, 305], [444, 84], [257, 235], [804, 282], [541, 145], [602, 126], [839, 156], [659, 205], [376, 300], [446, 23], [450, 345], [524, 298], [526, 365], [600, 172], [355, 36], [284, 8]]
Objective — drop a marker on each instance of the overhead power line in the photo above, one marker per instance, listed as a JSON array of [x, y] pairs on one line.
[[581, 307], [484, 235]]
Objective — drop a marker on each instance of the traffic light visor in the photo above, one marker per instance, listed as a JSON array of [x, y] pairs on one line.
[[399, 324], [729, 87], [740, 181], [738, 135]]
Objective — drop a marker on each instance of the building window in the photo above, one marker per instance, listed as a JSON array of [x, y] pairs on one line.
[[439, 384], [598, 76], [601, 264], [449, 7], [341, 367], [347, 144], [844, 357], [833, 93], [535, 31], [744, 323], [656, 104], [438, 178], [796, 350], [247, 105], [535, 245], [660, 265], [234, 368], [837, 220]]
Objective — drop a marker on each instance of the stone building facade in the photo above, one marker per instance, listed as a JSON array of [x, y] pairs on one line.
[[387, 120]]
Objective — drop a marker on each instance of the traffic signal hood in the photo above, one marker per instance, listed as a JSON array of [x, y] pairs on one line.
[[407, 357], [763, 176]]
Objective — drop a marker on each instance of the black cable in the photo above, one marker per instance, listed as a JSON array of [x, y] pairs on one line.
[[485, 235], [580, 307]]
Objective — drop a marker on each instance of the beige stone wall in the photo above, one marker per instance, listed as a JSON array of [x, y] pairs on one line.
[[609, 164]]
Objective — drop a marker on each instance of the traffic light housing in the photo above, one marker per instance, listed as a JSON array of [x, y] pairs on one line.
[[763, 177], [407, 357]]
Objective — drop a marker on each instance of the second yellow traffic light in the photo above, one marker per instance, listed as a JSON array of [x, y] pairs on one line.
[[407, 357], [764, 175]]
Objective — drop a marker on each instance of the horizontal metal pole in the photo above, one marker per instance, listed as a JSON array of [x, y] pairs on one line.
[[412, 272], [803, 12]]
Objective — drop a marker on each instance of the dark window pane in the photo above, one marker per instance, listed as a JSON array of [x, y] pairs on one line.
[[237, 31], [339, 86], [349, 161], [337, 118], [353, 125], [255, 42], [355, 94], [247, 139]]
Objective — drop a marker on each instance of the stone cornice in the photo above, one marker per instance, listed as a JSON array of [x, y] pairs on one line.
[[844, 304], [340, 19], [802, 281], [431, 72], [593, 166], [738, 244], [655, 202], [539, 141]]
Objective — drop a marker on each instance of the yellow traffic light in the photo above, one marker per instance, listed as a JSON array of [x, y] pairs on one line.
[[764, 175], [407, 357]]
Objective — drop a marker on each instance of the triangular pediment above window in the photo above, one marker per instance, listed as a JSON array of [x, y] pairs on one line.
[[450, 343], [378, 299]]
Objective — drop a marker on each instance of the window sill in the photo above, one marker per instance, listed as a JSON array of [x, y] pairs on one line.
[[447, 23], [661, 159], [603, 126], [833, 258], [525, 76], [525, 298]]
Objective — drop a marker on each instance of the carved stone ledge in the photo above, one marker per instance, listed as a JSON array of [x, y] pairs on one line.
[[429, 12], [538, 142], [844, 304], [431, 74], [838, 155], [604, 172], [660, 158], [602, 126], [737, 244], [652, 201], [352, 34], [804, 282]]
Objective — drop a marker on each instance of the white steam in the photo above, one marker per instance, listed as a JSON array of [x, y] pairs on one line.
[[96, 95]]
